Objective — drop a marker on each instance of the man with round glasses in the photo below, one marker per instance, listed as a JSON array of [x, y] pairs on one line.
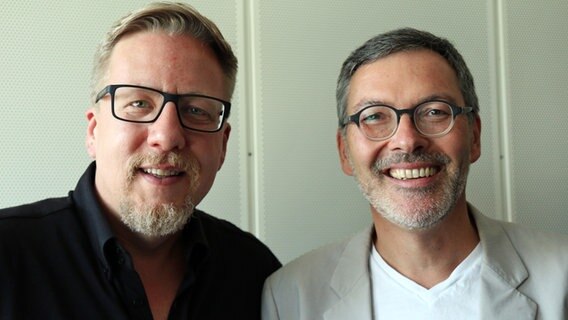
[[128, 242], [408, 131]]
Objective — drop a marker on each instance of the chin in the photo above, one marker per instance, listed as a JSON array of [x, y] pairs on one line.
[[156, 220]]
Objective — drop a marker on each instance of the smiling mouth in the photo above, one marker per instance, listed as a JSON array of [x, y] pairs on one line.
[[161, 173], [406, 174]]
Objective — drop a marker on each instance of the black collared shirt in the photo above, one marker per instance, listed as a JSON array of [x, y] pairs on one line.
[[60, 260]]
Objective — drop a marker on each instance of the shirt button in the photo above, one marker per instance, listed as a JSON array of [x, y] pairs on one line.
[[137, 302]]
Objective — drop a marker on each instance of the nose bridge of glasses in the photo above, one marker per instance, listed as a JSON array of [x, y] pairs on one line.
[[402, 112], [412, 119], [174, 99], [169, 97]]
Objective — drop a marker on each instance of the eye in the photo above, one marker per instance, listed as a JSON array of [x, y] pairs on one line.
[[372, 118], [434, 111], [137, 109], [197, 111], [375, 116], [195, 114], [139, 104]]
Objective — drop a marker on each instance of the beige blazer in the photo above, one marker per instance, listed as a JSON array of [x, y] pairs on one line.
[[524, 276]]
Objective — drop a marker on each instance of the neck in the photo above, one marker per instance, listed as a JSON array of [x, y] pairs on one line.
[[159, 261], [427, 257]]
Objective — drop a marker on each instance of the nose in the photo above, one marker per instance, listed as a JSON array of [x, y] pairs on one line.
[[166, 133], [407, 139]]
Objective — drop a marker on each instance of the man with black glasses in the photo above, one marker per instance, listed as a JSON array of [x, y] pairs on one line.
[[409, 128], [128, 243]]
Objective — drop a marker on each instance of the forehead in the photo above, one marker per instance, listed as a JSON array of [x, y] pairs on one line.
[[172, 63], [404, 79]]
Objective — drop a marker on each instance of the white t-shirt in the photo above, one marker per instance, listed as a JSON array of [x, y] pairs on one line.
[[397, 297]]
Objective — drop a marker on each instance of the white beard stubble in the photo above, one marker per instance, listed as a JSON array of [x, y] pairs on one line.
[[423, 208]]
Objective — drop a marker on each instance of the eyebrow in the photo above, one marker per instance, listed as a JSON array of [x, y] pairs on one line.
[[371, 101], [438, 96], [367, 102]]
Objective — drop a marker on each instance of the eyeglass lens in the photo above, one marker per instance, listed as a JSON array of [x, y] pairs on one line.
[[144, 105]]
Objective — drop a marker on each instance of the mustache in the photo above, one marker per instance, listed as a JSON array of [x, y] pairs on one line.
[[419, 156], [187, 164]]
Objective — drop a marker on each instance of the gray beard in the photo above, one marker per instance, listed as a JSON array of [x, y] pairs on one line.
[[157, 221], [162, 219], [422, 218], [428, 214]]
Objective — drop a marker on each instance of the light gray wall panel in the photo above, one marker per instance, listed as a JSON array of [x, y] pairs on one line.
[[537, 46]]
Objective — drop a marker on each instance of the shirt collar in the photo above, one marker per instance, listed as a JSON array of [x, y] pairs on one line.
[[103, 239], [91, 214]]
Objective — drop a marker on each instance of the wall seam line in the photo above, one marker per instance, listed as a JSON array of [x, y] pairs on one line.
[[252, 156], [503, 102]]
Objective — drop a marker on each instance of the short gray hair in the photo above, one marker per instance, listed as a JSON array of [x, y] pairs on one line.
[[405, 39], [172, 18]]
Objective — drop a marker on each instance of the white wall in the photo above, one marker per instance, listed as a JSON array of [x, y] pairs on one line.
[[282, 179]]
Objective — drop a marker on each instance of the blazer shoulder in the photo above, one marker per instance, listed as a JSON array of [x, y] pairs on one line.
[[318, 265], [531, 241], [313, 284], [525, 240], [36, 210]]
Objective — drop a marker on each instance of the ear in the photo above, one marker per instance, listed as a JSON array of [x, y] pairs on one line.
[[226, 133], [475, 151], [91, 132], [342, 148]]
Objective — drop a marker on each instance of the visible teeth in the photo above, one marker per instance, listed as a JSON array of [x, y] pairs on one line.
[[404, 174], [161, 173]]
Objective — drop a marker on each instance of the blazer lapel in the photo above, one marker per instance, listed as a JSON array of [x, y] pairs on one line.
[[502, 273], [351, 281]]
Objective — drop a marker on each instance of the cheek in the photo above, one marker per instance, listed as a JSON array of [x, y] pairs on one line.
[[209, 153], [461, 150], [363, 153], [117, 142]]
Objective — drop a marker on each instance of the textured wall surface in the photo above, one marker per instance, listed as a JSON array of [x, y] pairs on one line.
[[281, 179]]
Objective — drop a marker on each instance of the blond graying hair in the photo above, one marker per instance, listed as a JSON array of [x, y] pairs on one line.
[[174, 19]]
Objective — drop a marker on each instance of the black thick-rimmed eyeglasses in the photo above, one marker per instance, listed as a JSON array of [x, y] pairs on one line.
[[140, 104], [433, 118]]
